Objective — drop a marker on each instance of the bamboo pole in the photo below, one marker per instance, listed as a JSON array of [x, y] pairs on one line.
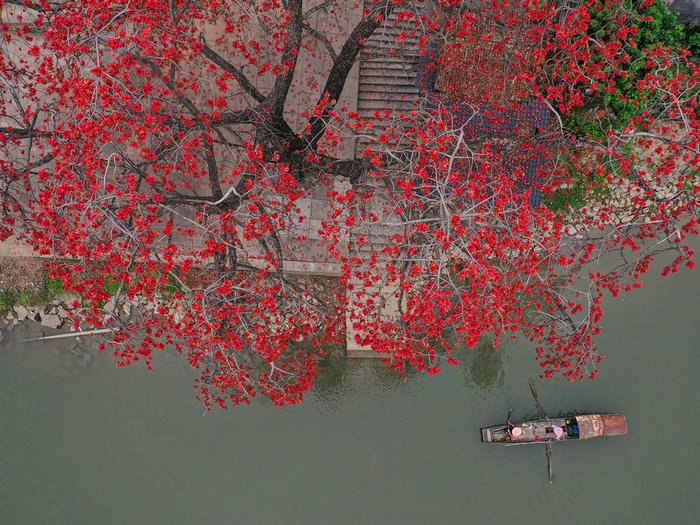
[[550, 467], [72, 334]]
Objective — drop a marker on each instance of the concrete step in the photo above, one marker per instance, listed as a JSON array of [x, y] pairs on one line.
[[364, 353]]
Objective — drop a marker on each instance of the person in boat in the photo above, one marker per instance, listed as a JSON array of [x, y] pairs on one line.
[[558, 432], [513, 431]]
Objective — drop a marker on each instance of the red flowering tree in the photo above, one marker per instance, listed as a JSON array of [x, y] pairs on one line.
[[166, 152]]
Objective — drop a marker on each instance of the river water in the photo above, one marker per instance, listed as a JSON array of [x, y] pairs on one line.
[[84, 442]]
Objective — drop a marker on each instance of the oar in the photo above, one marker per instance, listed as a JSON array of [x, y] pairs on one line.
[[549, 443], [537, 399]]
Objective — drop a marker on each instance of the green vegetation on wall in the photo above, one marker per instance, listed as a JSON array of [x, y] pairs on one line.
[[46, 292], [655, 25]]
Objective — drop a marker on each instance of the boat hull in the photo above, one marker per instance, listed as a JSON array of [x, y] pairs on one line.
[[555, 429]]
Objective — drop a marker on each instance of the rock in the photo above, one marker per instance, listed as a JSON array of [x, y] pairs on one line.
[[51, 321], [21, 311], [61, 312], [109, 305], [35, 313], [65, 298]]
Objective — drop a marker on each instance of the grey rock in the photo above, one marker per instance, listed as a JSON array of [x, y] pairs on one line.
[[65, 298], [21, 311], [109, 305], [51, 321]]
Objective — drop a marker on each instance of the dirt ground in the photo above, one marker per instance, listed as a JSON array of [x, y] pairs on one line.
[[20, 273]]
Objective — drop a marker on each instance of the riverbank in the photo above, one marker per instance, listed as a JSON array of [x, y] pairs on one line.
[[27, 292]]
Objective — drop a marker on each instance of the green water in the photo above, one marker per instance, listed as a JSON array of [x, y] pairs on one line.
[[89, 443]]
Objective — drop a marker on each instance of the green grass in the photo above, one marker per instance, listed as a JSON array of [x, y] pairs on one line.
[[50, 288], [45, 293]]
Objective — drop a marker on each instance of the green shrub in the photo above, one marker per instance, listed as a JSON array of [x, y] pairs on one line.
[[46, 292], [656, 25]]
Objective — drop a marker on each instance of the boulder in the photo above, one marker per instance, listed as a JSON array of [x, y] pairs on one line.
[[35, 313], [109, 305], [51, 321], [65, 298], [21, 311]]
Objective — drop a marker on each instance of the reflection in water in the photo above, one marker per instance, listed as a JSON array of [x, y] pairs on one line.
[[482, 365], [339, 379], [332, 383]]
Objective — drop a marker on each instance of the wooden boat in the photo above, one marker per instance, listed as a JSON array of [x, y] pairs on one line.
[[555, 429]]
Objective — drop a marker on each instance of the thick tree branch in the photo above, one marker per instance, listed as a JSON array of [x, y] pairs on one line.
[[278, 95], [342, 66], [24, 133], [322, 38], [234, 71]]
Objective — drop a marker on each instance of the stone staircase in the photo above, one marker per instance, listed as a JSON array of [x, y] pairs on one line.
[[387, 74]]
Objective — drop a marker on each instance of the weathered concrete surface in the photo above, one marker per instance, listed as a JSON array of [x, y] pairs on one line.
[[384, 307]]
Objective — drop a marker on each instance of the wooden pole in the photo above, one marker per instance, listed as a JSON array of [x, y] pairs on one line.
[[548, 445], [537, 398], [73, 334]]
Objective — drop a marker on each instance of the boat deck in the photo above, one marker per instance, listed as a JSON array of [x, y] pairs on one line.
[[541, 430], [538, 431]]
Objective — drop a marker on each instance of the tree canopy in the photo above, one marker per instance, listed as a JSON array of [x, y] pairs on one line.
[[221, 161]]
